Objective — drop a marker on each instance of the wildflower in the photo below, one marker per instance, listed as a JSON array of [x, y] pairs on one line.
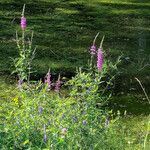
[[48, 80], [93, 50], [16, 100], [23, 23], [99, 59], [100, 56], [58, 84], [93, 47]]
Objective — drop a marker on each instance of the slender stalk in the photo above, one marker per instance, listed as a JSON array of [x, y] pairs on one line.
[[23, 32], [23, 42], [23, 10], [91, 63], [143, 89], [102, 42], [17, 41], [30, 61], [148, 127], [95, 38]]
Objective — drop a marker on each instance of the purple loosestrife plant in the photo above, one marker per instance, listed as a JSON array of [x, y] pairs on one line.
[[93, 47], [58, 85], [100, 56], [23, 23], [100, 59], [93, 50], [23, 62], [48, 79]]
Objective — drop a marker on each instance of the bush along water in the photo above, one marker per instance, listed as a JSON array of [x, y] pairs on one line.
[[39, 117]]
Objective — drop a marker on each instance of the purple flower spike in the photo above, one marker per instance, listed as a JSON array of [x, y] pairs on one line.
[[58, 85], [23, 23], [93, 47], [48, 80], [93, 50], [99, 59]]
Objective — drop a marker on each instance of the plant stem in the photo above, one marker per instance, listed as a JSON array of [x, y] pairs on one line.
[[143, 89]]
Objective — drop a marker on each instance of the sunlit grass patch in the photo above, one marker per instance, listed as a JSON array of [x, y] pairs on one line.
[[66, 11]]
